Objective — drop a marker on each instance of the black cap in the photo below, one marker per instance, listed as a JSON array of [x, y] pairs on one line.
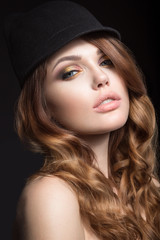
[[37, 34]]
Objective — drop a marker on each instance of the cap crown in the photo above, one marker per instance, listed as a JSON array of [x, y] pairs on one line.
[[35, 35]]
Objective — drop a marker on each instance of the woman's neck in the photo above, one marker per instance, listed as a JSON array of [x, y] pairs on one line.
[[99, 145]]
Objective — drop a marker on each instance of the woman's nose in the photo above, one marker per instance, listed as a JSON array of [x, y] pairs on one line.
[[100, 79]]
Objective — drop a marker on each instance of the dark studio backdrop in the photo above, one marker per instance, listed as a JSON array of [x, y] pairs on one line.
[[138, 23]]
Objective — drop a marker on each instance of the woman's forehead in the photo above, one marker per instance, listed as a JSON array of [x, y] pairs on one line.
[[78, 47]]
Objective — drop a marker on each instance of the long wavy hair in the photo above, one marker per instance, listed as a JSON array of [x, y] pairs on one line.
[[133, 212]]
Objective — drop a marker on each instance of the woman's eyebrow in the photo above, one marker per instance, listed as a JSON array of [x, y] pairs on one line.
[[67, 58], [72, 58], [99, 51]]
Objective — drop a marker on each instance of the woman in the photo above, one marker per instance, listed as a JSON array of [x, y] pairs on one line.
[[84, 106]]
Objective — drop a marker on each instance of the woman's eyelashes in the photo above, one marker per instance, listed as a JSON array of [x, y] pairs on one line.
[[70, 72], [73, 71], [106, 62]]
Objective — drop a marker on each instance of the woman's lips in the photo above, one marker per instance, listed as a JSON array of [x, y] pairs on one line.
[[107, 102]]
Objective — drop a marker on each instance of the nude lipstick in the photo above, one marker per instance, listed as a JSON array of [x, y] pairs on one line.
[[107, 102]]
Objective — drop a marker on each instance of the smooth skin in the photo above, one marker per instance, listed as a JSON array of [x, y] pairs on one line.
[[77, 75], [49, 210], [87, 77]]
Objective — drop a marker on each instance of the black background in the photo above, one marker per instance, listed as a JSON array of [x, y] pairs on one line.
[[137, 22]]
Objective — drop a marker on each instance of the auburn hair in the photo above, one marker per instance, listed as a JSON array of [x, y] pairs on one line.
[[124, 206]]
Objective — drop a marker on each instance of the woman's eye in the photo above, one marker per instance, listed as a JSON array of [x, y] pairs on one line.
[[69, 74], [107, 62]]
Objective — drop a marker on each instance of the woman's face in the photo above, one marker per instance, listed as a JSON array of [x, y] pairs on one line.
[[83, 91]]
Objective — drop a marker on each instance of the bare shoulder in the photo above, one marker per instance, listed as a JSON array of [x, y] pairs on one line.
[[48, 189], [48, 209]]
